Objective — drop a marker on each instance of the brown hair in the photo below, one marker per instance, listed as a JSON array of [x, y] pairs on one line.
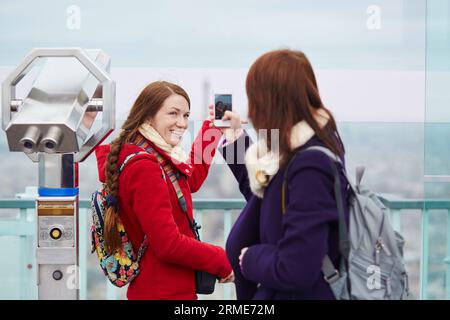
[[147, 104], [282, 91]]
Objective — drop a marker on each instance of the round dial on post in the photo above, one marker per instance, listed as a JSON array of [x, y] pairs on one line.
[[56, 233]]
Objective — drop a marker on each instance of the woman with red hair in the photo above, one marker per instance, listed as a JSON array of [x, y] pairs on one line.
[[278, 253]]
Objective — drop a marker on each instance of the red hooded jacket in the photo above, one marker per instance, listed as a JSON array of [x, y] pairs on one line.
[[149, 205]]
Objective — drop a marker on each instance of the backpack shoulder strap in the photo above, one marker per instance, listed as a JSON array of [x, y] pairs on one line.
[[329, 271], [359, 170], [324, 150], [128, 158], [131, 155], [344, 242], [173, 177], [359, 174]]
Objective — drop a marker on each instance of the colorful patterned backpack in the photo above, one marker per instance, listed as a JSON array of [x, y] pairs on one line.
[[122, 266]]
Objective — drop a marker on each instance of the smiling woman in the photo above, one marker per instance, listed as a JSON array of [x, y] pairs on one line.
[[154, 196]]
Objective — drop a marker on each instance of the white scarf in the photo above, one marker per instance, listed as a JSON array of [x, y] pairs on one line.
[[152, 135], [262, 165]]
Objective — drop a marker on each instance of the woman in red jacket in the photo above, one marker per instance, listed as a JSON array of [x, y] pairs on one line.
[[147, 201]]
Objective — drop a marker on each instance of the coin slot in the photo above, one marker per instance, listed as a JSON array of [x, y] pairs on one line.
[[55, 233]]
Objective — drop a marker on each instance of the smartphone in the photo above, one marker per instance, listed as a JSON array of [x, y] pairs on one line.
[[222, 103]]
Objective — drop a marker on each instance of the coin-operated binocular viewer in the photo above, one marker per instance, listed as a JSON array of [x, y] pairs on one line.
[[53, 124]]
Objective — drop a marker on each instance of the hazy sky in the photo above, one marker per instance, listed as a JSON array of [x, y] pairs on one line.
[[225, 34], [369, 55]]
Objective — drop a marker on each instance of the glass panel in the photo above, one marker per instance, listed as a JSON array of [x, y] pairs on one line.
[[437, 157], [437, 151], [437, 129]]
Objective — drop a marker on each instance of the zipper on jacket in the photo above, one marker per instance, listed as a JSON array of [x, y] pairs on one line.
[[377, 255], [380, 245]]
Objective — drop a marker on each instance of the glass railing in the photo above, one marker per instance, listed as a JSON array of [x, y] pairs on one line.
[[429, 269], [434, 224], [18, 240]]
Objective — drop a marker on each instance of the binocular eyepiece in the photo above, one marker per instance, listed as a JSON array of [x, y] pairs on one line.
[[52, 139], [32, 142]]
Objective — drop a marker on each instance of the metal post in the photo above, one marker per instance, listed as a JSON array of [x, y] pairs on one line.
[[447, 259], [198, 214], [424, 256], [226, 231], [83, 251], [396, 220], [57, 228]]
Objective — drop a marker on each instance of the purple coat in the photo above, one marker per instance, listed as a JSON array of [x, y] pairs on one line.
[[285, 252]]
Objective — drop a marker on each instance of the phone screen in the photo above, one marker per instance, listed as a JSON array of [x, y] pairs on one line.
[[222, 103]]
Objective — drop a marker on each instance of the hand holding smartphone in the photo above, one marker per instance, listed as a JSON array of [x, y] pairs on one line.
[[222, 103]]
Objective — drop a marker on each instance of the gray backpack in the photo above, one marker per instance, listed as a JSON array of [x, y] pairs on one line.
[[371, 265]]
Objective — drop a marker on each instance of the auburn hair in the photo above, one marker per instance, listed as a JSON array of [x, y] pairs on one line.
[[282, 91], [147, 104]]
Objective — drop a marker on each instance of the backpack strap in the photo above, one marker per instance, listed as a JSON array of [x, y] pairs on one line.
[[329, 271], [359, 174], [359, 170], [344, 242], [173, 177], [128, 158]]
